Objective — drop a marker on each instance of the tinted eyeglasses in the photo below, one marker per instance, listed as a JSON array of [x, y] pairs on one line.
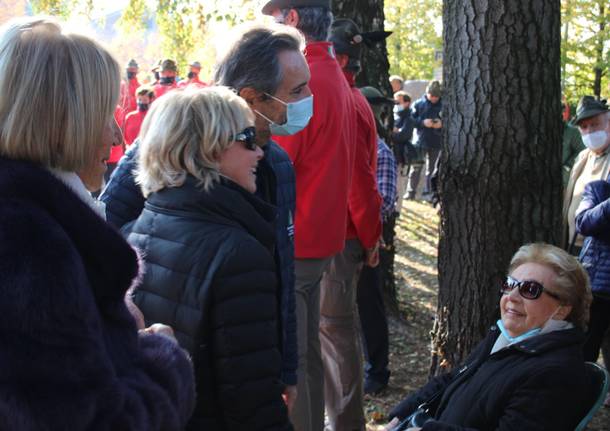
[[247, 137], [528, 289]]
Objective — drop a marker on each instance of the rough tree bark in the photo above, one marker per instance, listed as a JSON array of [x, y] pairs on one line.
[[500, 179], [599, 71], [369, 16]]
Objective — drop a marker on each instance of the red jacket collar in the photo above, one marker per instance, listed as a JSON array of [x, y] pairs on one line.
[[315, 51]]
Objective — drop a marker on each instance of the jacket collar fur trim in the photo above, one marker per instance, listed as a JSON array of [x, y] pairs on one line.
[[111, 264]]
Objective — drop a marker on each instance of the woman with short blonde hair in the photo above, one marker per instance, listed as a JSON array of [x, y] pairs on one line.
[[71, 356], [208, 245], [185, 132]]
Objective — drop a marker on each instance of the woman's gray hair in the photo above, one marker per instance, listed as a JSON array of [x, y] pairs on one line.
[[252, 59], [58, 91], [571, 284], [314, 22]]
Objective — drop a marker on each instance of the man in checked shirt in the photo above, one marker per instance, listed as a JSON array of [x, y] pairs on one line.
[[370, 300]]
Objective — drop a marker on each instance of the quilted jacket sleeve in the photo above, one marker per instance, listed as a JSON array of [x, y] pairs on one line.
[[593, 213], [245, 341], [122, 196]]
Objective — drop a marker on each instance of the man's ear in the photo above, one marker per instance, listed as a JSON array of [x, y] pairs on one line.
[[292, 19], [250, 95]]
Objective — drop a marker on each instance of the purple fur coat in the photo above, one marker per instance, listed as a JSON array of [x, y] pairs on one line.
[[70, 354]]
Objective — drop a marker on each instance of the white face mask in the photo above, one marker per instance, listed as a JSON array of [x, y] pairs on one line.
[[595, 140]]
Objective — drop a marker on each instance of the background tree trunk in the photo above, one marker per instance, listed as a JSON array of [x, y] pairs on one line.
[[599, 70], [500, 179], [369, 16]]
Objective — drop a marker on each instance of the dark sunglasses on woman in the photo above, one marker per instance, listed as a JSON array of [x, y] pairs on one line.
[[247, 137], [528, 289]]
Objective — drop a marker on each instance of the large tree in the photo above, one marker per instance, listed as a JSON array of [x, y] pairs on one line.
[[500, 181]]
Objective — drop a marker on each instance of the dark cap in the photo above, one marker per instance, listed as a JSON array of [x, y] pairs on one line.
[[168, 65], [375, 97], [589, 107], [348, 39], [195, 64], [270, 6], [434, 89], [132, 64]]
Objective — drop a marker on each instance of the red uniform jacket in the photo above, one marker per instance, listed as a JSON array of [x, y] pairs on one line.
[[160, 90], [117, 151], [322, 158], [127, 99], [195, 82], [364, 203], [131, 126]]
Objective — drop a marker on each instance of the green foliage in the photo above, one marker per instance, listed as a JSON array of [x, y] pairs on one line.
[[585, 47], [61, 8], [134, 17], [416, 39]]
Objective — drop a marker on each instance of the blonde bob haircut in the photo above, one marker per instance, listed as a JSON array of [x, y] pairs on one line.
[[57, 93], [185, 133], [571, 284]]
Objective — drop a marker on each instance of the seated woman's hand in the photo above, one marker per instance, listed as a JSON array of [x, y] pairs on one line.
[[161, 329]]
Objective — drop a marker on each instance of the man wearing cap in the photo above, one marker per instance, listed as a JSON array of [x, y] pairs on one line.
[[426, 114], [129, 85], [193, 76], [370, 299], [323, 163], [133, 121], [341, 352], [167, 78], [593, 163]]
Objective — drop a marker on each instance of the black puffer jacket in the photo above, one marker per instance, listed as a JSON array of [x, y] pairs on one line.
[[210, 274], [537, 384]]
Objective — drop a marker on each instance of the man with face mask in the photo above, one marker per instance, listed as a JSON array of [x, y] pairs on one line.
[[129, 85], [192, 78], [167, 77], [593, 163], [133, 121], [323, 163]]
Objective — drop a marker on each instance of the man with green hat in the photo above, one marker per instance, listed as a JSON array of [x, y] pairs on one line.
[[593, 163], [129, 85], [167, 77]]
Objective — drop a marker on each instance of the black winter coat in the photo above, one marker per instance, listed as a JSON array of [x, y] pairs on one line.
[[210, 274], [537, 384], [70, 356]]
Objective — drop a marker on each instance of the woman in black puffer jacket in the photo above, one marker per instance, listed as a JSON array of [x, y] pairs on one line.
[[208, 246]]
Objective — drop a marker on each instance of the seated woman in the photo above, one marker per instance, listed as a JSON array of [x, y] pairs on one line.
[[208, 243], [71, 356], [528, 373]]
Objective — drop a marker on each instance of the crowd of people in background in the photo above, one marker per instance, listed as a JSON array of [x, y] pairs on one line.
[[227, 277]]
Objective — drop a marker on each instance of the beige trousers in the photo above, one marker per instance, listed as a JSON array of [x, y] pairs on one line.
[[340, 341], [308, 411]]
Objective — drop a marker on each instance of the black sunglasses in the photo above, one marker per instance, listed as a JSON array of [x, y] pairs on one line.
[[528, 289], [247, 137]]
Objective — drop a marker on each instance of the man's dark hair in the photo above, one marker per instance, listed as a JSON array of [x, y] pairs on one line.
[[314, 21], [252, 60]]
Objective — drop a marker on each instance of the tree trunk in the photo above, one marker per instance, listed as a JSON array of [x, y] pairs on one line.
[[599, 53], [369, 16], [500, 178]]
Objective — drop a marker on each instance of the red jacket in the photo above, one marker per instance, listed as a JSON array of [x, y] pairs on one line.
[[195, 82], [131, 126], [322, 158], [117, 151], [127, 99], [364, 203], [160, 90]]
